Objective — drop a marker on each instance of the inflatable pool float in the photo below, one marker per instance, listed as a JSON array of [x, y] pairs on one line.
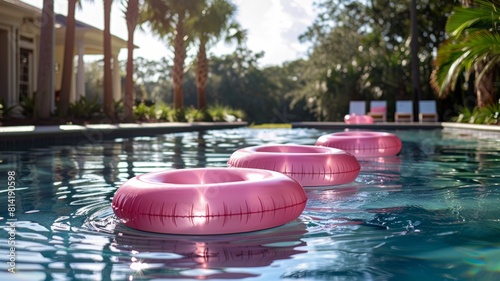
[[363, 143], [358, 119], [204, 201], [310, 165]]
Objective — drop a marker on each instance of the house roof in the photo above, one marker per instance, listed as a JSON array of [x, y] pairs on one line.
[[89, 35], [22, 5], [12, 10], [61, 19]]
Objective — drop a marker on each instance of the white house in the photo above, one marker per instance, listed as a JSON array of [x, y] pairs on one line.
[[19, 43]]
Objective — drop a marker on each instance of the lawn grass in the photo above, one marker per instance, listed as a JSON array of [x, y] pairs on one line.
[[271, 126]]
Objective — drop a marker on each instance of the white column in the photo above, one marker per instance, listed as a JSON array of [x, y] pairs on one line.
[[73, 95], [52, 96], [13, 67], [80, 78], [117, 86]]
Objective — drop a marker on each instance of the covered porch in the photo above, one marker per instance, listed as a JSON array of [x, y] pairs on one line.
[[19, 53], [88, 41]]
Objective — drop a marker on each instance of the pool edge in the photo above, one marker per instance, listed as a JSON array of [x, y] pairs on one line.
[[398, 126], [59, 134]]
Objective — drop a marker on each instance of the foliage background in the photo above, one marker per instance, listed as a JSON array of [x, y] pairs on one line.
[[360, 51]]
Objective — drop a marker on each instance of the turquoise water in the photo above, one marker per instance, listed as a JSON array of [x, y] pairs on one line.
[[431, 213]]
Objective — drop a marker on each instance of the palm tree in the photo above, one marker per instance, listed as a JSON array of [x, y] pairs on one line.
[[132, 16], [214, 22], [184, 10], [108, 82], [68, 58], [173, 19], [67, 69], [45, 87], [415, 62], [473, 46]]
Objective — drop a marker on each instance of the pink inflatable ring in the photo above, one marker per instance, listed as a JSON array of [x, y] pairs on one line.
[[358, 119], [310, 165], [208, 201], [363, 144]]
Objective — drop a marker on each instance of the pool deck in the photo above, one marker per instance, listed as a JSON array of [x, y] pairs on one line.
[[32, 135], [494, 129], [374, 126], [60, 134], [481, 131]]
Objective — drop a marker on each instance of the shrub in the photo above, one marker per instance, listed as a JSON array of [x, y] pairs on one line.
[[152, 112], [28, 106], [163, 112], [197, 115], [489, 115], [178, 115], [224, 113], [119, 109], [238, 113], [464, 116], [142, 112], [85, 108]]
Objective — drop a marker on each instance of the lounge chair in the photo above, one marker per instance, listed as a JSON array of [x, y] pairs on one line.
[[378, 110], [404, 111], [357, 107], [427, 111]]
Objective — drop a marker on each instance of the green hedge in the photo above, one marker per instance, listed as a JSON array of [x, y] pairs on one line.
[[489, 115], [164, 113]]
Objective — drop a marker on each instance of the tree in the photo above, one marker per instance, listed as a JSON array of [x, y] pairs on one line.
[[108, 56], [285, 80], [415, 65], [183, 10], [69, 51], [68, 58], [214, 22], [239, 83], [132, 16], [173, 19], [45, 86], [153, 79], [360, 50], [473, 47]]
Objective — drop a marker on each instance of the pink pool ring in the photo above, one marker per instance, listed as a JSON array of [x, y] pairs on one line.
[[203, 201], [363, 143], [358, 119], [310, 165]]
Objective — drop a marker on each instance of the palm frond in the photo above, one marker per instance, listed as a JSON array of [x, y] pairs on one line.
[[450, 65], [484, 15], [474, 39]]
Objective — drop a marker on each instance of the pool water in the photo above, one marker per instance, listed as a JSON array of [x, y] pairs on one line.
[[430, 213]]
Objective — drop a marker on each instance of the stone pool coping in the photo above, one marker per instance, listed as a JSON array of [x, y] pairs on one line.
[[374, 126], [59, 134], [399, 126]]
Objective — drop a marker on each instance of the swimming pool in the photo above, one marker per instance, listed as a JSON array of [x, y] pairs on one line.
[[432, 213]]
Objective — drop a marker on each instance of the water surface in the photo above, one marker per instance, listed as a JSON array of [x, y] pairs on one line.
[[430, 213]]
